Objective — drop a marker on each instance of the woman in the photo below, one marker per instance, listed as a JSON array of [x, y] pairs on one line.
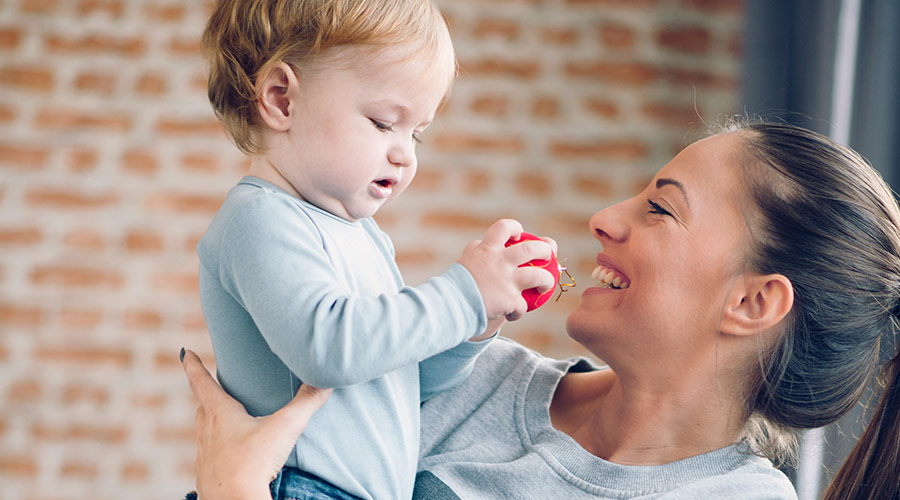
[[743, 294]]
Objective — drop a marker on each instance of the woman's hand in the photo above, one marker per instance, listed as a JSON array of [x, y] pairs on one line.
[[238, 455]]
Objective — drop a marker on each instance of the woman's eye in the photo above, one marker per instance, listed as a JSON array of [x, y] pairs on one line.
[[384, 127], [655, 208]]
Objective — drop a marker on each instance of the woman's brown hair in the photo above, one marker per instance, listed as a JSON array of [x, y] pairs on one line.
[[820, 215]]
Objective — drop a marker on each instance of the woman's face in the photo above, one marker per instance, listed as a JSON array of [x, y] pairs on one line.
[[671, 254]]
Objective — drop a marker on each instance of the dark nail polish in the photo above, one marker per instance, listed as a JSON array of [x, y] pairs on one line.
[[181, 355]]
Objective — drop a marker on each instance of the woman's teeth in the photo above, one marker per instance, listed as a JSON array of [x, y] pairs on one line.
[[608, 278]]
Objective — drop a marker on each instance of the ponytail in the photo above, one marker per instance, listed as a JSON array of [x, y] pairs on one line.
[[872, 471]]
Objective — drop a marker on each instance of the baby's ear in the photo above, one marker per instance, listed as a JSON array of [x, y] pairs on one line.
[[757, 303], [275, 90]]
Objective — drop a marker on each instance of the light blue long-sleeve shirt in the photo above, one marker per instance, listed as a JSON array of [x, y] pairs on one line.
[[293, 293]]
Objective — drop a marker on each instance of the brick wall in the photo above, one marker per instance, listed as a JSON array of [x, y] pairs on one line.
[[112, 164]]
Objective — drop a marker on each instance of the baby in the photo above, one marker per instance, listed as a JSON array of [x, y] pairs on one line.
[[329, 98]]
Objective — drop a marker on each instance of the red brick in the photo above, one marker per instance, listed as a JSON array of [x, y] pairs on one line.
[[164, 13], [21, 391], [7, 113], [476, 182], [186, 202], [497, 106], [80, 432], [501, 68], [185, 47], [20, 236], [496, 28], [144, 241], [84, 355], [93, 44], [186, 433], [194, 323], [593, 186], [700, 78], [77, 277], [457, 221], [38, 6], [135, 471], [428, 179], [79, 469], [559, 36], [152, 84], [688, 39], [416, 257], [68, 198], [141, 162], [80, 318], [534, 184], [187, 127], [617, 36], [609, 149], [629, 4], [27, 77], [673, 114], [176, 282], [85, 240], [545, 107], [198, 162], [31, 157], [20, 315], [78, 121], [630, 74], [111, 8], [85, 394], [602, 107], [142, 320], [10, 38], [82, 160], [18, 467], [462, 142], [716, 6], [97, 83]]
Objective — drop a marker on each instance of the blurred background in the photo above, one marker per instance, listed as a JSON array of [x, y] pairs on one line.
[[112, 165]]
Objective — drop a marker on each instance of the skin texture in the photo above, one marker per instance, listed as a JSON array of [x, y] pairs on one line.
[[343, 136], [680, 337], [238, 455]]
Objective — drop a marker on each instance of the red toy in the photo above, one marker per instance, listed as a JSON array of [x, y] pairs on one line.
[[532, 296]]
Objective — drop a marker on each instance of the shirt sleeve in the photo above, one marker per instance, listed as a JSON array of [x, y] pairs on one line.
[[448, 369], [275, 266]]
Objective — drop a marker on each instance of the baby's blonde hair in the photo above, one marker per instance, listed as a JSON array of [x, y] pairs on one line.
[[244, 39]]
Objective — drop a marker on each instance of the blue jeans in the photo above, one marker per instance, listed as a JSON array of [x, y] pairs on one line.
[[295, 484]]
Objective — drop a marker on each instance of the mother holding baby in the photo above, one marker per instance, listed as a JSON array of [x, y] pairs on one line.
[[742, 295]]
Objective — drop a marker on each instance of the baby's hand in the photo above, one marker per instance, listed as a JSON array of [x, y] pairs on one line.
[[496, 270]]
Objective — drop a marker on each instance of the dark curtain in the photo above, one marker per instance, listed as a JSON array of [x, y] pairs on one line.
[[792, 48]]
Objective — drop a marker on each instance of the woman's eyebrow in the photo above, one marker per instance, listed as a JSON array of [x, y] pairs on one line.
[[672, 182]]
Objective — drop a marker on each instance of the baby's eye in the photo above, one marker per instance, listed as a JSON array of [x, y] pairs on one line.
[[655, 208], [417, 138], [384, 127]]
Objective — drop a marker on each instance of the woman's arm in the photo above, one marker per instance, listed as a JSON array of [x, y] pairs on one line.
[[239, 455]]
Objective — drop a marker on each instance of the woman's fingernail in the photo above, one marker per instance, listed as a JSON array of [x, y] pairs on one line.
[[181, 355]]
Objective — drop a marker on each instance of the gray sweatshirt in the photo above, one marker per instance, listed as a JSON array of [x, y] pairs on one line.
[[491, 438]]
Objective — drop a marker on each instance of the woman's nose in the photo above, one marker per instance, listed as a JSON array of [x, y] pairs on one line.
[[611, 223]]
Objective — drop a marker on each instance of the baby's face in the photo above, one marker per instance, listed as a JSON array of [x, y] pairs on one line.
[[352, 143]]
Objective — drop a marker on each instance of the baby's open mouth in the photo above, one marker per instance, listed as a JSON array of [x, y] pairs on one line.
[[384, 182], [609, 278]]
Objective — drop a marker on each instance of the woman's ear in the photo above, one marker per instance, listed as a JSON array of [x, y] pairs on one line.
[[276, 88], [757, 303]]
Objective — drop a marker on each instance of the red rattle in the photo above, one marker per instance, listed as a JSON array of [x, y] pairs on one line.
[[533, 297]]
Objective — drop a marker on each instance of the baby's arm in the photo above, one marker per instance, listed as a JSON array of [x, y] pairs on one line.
[[495, 269]]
